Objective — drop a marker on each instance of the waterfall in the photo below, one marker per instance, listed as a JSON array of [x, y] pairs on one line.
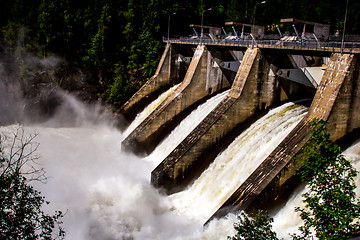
[[106, 193], [146, 112], [237, 162], [286, 220], [184, 128]]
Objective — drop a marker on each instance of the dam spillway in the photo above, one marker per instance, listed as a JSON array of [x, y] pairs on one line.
[[231, 167], [184, 128], [106, 192], [259, 84]]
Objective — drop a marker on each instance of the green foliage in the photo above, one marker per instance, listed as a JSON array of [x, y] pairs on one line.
[[331, 209], [120, 88], [96, 35], [318, 152], [96, 54], [258, 227], [330, 205], [21, 214], [10, 33]]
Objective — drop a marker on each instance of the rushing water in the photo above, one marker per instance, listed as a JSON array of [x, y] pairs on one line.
[[237, 162], [184, 128], [146, 112], [106, 193]]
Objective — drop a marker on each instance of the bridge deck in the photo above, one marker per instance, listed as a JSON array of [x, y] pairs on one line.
[[305, 46]]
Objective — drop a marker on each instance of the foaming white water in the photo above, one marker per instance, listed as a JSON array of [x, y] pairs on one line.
[[287, 221], [146, 112], [353, 155], [106, 193], [184, 128], [236, 163]]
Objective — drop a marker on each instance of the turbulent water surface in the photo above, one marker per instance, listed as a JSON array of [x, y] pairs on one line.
[[106, 193], [237, 162]]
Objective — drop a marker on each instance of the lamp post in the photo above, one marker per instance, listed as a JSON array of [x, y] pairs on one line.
[[253, 23], [168, 37], [202, 20], [343, 35]]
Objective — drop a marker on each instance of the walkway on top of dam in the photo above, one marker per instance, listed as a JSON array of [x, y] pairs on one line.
[[289, 46]]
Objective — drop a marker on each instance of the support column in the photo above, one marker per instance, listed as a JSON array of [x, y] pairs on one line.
[[161, 79], [169, 113], [198, 150]]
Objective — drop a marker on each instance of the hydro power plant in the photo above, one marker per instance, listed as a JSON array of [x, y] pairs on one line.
[[212, 133], [258, 78]]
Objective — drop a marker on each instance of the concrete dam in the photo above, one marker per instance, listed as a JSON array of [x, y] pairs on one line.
[[254, 80]]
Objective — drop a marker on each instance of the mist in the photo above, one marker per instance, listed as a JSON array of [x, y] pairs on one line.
[[104, 192]]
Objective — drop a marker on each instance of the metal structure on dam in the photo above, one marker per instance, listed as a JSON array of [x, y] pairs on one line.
[[260, 75]]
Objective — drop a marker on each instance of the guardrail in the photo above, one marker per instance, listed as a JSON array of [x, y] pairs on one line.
[[348, 47]]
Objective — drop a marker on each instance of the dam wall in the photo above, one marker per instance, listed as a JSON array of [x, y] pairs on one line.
[[260, 83], [198, 84], [253, 91], [169, 72], [337, 102]]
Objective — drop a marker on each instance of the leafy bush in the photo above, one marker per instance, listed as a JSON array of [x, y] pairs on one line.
[[21, 214], [259, 227]]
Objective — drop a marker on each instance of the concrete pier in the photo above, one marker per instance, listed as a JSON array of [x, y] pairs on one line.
[[195, 87], [251, 92], [164, 77], [265, 78]]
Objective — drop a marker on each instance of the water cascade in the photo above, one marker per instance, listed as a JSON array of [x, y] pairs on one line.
[[184, 128], [237, 162], [146, 112], [106, 193]]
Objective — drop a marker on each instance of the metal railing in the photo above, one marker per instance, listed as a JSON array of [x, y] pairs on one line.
[[348, 47]]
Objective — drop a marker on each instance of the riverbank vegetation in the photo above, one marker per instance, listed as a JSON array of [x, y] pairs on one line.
[[21, 205], [117, 43], [331, 209]]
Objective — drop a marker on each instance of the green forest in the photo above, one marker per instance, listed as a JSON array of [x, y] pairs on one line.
[[119, 42]]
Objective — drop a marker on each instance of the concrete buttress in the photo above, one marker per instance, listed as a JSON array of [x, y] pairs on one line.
[[250, 93], [163, 78], [192, 89]]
